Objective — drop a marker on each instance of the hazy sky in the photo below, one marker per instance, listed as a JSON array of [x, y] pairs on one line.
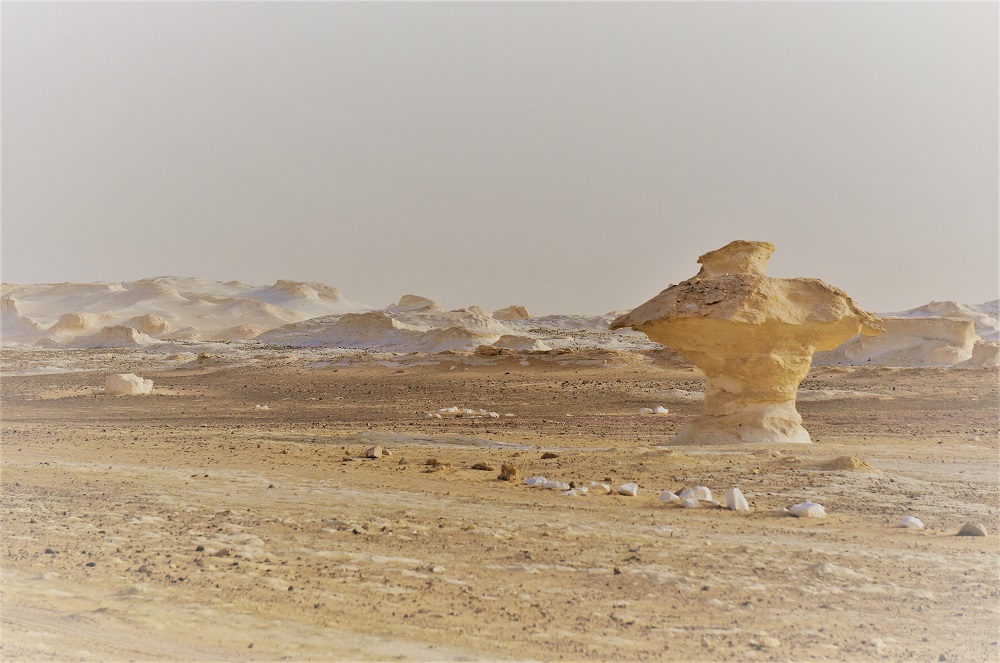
[[572, 157]]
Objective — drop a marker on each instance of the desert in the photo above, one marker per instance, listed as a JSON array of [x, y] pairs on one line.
[[345, 482]]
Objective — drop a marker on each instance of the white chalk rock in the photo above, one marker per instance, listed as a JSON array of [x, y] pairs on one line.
[[508, 414], [494, 415], [261, 407], [659, 409], [645, 410], [911, 522], [127, 383], [555, 485], [667, 496], [535, 482], [600, 488], [690, 503], [581, 490], [808, 509], [698, 493], [570, 493], [735, 500], [628, 489]]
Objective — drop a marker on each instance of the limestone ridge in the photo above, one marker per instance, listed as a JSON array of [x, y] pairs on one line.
[[753, 336]]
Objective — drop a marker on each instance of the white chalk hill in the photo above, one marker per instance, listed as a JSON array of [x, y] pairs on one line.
[[162, 308]]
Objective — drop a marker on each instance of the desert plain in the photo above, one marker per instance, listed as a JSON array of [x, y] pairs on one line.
[[232, 513]]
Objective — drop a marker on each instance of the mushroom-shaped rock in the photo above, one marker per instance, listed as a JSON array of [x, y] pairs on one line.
[[753, 336]]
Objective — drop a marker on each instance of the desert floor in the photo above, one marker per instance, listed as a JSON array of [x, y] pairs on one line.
[[190, 525]]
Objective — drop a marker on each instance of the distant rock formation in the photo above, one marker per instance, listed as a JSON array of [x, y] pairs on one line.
[[524, 343], [414, 303], [512, 313], [753, 336], [923, 341]]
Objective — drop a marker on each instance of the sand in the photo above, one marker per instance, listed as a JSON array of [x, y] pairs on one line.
[[189, 524]]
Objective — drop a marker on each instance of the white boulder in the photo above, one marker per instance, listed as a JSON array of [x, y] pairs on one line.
[[667, 496], [911, 522], [735, 501], [697, 493], [808, 509], [628, 489]]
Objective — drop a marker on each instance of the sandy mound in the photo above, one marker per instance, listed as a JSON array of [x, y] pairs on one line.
[[116, 336], [150, 324], [846, 463], [512, 313]]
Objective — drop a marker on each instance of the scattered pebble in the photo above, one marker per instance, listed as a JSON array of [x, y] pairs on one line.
[[972, 529], [628, 489], [735, 501], [808, 509], [911, 522]]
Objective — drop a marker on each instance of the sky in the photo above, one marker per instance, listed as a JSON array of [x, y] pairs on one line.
[[570, 157]]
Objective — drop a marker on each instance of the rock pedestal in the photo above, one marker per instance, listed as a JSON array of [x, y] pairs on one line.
[[753, 336]]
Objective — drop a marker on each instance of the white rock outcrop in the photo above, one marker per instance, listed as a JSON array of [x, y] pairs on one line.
[[512, 313], [126, 384], [753, 336]]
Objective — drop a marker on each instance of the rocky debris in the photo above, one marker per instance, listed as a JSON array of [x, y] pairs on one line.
[[486, 467], [735, 501], [753, 336], [549, 454], [808, 509], [373, 452], [435, 465], [911, 522], [628, 489], [972, 529], [509, 473], [847, 463], [127, 384]]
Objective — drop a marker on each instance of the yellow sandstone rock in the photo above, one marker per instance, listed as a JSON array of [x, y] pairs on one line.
[[753, 336]]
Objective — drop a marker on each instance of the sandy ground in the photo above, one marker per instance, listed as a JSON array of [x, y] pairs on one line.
[[190, 525]]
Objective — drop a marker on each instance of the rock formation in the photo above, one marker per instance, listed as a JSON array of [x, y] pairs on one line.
[[753, 336], [512, 313]]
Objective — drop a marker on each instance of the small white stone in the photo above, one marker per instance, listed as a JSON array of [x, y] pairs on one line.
[[581, 490], [508, 414], [645, 410], [569, 493], [555, 485], [600, 488], [261, 407], [628, 489], [690, 503], [808, 509], [494, 415], [667, 496], [735, 500], [535, 481], [659, 409], [698, 493], [911, 522]]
